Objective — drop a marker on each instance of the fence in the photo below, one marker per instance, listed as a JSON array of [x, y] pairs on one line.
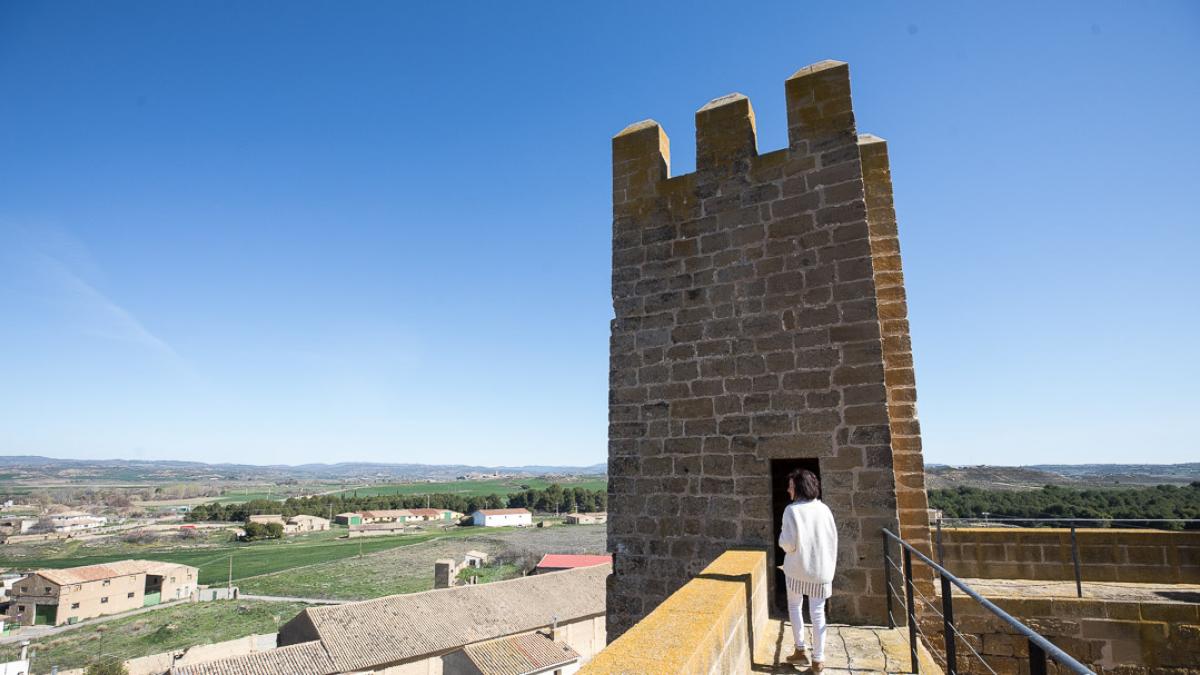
[[1041, 650]]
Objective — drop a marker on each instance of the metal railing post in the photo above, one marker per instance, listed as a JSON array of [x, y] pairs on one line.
[[911, 609], [948, 626], [941, 549], [887, 581], [1037, 659], [1075, 559], [1041, 650]]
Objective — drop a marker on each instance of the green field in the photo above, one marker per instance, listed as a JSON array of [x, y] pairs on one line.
[[409, 569], [472, 488], [156, 631], [248, 559]]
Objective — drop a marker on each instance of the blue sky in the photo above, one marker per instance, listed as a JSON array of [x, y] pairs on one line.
[[295, 231]]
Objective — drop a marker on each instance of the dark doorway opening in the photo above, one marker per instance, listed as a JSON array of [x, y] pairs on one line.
[[780, 468]]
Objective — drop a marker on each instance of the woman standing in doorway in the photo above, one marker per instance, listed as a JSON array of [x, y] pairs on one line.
[[809, 537]]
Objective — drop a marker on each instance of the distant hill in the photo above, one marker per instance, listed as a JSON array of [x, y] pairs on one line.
[[32, 468], [1075, 475]]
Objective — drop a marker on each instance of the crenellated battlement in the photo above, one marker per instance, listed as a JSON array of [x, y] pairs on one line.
[[820, 126]]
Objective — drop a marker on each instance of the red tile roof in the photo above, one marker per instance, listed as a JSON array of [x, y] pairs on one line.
[[120, 568], [373, 633], [309, 658], [519, 655], [566, 561]]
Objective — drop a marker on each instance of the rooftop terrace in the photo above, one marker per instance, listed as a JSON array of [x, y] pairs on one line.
[[719, 623]]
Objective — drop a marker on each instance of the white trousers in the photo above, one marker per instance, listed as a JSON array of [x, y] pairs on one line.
[[816, 611]]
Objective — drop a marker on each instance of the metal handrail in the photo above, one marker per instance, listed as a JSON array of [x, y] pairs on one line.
[[1039, 647]]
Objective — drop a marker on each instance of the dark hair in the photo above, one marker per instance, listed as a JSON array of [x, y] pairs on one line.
[[806, 482]]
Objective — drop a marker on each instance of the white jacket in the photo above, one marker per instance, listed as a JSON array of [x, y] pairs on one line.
[[809, 537]]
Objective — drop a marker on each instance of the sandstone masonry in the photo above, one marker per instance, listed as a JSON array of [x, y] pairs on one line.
[[760, 316]]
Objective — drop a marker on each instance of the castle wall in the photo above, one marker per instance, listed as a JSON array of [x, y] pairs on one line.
[[749, 298], [1128, 638], [1151, 556]]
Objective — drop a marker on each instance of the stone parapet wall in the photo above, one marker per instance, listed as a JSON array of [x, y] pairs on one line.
[[1151, 556], [710, 625], [158, 664], [1130, 638]]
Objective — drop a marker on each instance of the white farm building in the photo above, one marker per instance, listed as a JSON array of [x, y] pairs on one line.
[[502, 517]]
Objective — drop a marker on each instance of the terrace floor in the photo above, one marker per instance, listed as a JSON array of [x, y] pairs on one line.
[[848, 649]]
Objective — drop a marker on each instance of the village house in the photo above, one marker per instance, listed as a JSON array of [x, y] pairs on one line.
[[430, 515], [502, 517], [534, 624], [302, 523], [387, 516], [16, 525], [294, 524], [75, 521], [586, 518], [348, 518], [56, 597], [377, 529]]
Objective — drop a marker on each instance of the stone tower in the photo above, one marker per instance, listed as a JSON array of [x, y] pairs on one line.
[[760, 326]]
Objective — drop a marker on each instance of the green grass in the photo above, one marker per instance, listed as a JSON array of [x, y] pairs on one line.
[[359, 578], [409, 569], [248, 559], [472, 488], [490, 573], [236, 497], [157, 631]]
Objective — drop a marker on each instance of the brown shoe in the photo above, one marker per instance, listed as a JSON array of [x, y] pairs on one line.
[[799, 658], [817, 667]]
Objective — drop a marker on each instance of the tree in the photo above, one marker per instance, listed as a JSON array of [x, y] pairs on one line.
[[263, 531]]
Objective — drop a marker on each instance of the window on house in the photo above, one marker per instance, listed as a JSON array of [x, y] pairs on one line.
[[107, 582], [74, 605], [47, 589], [104, 600], [172, 579], [77, 587]]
